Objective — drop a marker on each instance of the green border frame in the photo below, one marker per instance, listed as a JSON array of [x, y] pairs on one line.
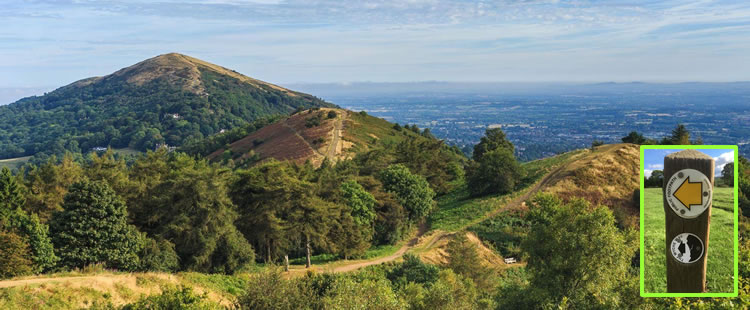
[[736, 222]]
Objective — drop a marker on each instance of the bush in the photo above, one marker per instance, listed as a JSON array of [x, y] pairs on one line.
[[313, 121], [331, 114], [413, 270], [13, 256], [173, 298], [268, 290], [158, 255], [367, 294]]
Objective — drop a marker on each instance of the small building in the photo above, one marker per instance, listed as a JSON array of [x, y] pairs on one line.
[[510, 260]]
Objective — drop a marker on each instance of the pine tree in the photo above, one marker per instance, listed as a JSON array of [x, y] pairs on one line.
[[680, 135], [493, 139], [92, 228], [28, 227]]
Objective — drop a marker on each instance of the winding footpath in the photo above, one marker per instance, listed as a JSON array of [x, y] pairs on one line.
[[339, 266]]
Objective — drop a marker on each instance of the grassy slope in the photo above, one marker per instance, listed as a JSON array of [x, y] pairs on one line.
[[366, 131], [61, 291], [457, 210], [719, 271]]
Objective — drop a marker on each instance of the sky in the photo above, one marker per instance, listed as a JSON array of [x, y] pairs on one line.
[[45, 44], [654, 159]]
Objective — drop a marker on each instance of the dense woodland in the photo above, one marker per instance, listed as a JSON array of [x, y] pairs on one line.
[[112, 112]]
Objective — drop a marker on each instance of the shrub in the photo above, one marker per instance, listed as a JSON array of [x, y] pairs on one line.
[[413, 270], [268, 290], [158, 255], [173, 298], [367, 294], [331, 114]]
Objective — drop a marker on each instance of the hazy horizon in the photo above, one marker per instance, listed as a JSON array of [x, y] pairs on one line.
[[53, 43]]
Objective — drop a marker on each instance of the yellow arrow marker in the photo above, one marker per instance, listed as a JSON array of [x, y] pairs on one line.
[[689, 193]]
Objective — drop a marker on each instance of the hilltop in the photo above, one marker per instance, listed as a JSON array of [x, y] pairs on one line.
[[169, 99], [315, 135]]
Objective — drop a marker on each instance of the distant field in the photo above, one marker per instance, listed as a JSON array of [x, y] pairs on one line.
[[13, 163], [720, 268]]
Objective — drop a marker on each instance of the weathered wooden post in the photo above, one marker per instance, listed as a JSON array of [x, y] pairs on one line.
[[286, 263], [688, 192]]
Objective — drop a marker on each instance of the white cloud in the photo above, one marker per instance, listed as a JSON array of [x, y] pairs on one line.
[[656, 166], [647, 173], [722, 160]]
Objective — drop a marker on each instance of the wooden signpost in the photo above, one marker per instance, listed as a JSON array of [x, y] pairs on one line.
[[688, 193]]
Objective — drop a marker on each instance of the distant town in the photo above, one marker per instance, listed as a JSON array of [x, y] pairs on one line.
[[541, 125]]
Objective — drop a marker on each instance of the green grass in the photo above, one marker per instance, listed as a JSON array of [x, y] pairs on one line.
[[719, 270], [228, 285], [373, 252], [457, 210]]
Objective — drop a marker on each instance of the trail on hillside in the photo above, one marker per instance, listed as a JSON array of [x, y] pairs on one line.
[[426, 243], [547, 180], [334, 147]]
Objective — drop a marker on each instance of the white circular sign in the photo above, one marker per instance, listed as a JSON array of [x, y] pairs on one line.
[[689, 193], [687, 248]]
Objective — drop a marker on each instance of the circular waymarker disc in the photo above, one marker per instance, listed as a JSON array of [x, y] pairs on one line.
[[689, 193], [687, 248]]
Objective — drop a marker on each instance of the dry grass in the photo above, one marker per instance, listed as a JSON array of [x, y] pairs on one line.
[[607, 176]]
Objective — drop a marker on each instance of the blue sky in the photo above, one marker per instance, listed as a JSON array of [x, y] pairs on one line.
[[654, 159], [50, 43]]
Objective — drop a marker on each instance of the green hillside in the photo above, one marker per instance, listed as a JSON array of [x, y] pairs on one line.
[[169, 99]]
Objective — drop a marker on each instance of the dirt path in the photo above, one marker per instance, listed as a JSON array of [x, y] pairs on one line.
[[409, 245], [334, 147], [348, 266]]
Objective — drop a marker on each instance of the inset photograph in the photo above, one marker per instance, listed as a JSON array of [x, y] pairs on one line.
[[688, 221]]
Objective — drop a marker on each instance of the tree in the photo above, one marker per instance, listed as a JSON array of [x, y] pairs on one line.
[[655, 180], [11, 192], [263, 194], [92, 228], [680, 136], [496, 172], [14, 218], [191, 208], [361, 203], [428, 134], [493, 139], [413, 270], [49, 183], [312, 218], [634, 137], [464, 260], [727, 174], [576, 253], [14, 256], [412, 190]]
